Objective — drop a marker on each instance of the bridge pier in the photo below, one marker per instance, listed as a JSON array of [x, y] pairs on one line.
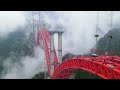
[[52, 49], [51, 52], [60, 47]]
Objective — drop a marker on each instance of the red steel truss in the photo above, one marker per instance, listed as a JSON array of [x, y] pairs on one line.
[[106, 67]]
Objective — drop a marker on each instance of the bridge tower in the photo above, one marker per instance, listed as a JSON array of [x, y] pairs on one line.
[[52, 49]]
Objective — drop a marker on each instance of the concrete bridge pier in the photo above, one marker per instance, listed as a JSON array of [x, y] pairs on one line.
[[52, 49], [51, 52]]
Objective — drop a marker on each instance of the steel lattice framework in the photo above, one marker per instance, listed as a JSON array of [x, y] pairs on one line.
[[45, 37], [106, 67]]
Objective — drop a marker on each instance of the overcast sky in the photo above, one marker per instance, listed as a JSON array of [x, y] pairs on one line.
[[9, 20], [80, 25]]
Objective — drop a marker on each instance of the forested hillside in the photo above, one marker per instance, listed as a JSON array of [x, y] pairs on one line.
[[107, 44]]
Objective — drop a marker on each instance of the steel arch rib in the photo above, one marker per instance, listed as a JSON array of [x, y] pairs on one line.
[[55, 55], [45, 36], [46, 50], [99, 68]]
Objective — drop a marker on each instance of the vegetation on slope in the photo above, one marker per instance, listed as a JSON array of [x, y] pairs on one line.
[[114, 42]]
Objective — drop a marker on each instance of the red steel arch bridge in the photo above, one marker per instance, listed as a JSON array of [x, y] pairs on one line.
[[106, 67]]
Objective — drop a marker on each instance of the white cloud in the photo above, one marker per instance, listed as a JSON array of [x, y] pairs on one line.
[[10, 20], [81, 28], [25, 68]]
